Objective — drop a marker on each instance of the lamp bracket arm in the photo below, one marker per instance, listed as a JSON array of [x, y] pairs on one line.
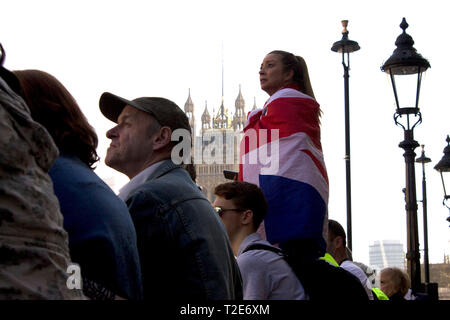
[[396, 116], [419, 121]]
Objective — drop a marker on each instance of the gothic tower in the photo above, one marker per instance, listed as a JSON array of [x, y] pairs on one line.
[[239, 114], [220, 121], [189, 110], [206, 119], [254, 104], [218, 142]]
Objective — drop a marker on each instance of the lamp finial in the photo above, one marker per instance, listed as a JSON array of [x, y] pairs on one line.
[[344, 24]]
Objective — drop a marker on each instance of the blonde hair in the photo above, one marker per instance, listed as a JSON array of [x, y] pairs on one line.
[[400, 279]]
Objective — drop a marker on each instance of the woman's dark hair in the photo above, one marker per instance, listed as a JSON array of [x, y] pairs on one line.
[[245, 196], [298, 65], [54, 107]]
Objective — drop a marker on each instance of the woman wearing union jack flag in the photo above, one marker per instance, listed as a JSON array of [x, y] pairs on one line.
[[286, 131]]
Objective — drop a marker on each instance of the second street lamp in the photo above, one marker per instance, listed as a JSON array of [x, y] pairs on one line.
[[423, 159], [431, 288], [403, 66], [346, 46], [442, 167]]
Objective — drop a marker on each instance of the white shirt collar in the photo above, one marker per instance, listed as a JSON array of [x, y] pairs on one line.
[[137, 180]]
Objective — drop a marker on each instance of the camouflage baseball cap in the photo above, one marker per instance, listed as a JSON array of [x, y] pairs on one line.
[[166, 112]]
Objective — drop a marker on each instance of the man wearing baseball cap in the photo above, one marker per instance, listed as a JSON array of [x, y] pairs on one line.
[[184, 250]]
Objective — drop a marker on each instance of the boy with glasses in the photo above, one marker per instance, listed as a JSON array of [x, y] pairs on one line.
[[265, 274]]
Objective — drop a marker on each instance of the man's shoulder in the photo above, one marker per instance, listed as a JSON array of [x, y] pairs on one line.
[[349, 265], [167, 179], [258, 253], [166, 191], [262, 246], [354, 269], [253, 261]]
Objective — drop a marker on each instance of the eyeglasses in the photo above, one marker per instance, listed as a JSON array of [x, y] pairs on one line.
[[221, 211]]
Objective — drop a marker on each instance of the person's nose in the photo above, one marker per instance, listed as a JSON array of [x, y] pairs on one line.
[[112, 133]]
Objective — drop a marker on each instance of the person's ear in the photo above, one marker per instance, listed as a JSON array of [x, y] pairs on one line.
[[289, 76], [162, 138], [247, 217], [339, 242]]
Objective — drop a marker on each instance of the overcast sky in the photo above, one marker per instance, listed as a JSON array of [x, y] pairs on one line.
[[164, 48]]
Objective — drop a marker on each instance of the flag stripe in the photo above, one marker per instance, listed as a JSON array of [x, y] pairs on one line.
[[297, 159], [285, 197]]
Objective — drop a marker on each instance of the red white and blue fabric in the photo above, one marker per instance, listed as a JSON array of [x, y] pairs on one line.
[[297, 193]]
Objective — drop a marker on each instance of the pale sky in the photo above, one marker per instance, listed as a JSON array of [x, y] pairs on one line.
[[162, 48]]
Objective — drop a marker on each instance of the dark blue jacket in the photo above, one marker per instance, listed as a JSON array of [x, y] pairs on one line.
[[184, 249], [102, 238]]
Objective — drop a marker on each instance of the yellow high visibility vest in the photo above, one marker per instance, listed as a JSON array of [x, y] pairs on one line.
[[380, 294], [327, 257]]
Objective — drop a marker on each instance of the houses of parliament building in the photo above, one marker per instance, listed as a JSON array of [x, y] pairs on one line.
[[217, 145]]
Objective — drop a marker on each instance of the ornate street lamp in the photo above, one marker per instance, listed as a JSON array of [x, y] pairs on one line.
[[404, 66], [423, 159], [442, 167], [346, 46]]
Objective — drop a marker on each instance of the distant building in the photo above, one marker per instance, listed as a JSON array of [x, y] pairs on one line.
[[217, 146], [387, 253], [439, 273]]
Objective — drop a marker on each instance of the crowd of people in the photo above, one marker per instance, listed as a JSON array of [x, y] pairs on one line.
[[265, 237]]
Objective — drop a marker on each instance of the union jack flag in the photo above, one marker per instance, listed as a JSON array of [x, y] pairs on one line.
[[287, 130]]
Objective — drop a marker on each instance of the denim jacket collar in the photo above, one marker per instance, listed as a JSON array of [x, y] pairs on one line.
[[165, 167], [137, 180]]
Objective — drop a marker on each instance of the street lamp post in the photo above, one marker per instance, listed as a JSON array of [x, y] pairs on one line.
[[431, 288], [346, 46], [423, 159], [442, 167], [403, 66]]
